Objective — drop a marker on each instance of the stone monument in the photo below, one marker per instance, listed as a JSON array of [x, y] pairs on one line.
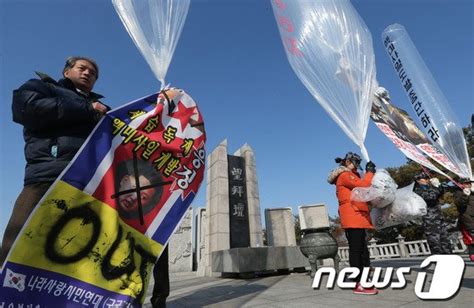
[[232, 204], [313, 216], [280, 227], [200, 227], [180, 246], [233, 243]]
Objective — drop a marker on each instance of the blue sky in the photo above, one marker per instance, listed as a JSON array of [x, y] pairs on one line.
[[231, 61]]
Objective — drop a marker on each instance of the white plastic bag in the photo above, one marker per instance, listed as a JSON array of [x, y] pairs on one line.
[[380, 194], [407, 206], [330, 49], [155, 27]]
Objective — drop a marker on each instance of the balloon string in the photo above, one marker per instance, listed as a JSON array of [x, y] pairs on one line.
[[364, 152]]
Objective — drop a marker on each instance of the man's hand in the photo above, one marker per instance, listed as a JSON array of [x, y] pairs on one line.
[[435, 182], [382, 92], [467, 191], [99, 107], [370, 167]]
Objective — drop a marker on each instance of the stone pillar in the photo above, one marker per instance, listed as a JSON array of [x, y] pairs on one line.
[[401, 246], [313, 216], [280, 227], [180, 246], [373, 251], [217, 235], [200, 228], [253, 197]]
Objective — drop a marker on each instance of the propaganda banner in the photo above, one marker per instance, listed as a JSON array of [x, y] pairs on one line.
[[94, 237], [447, 144], [397, 125]]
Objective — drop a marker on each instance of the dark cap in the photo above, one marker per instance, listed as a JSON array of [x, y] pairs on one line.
[[422, 175], [354, 158], [464, 181]]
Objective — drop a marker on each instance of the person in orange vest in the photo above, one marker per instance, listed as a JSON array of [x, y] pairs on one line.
[[355, 216]]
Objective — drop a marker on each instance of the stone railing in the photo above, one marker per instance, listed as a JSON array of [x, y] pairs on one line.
[[401, 249]]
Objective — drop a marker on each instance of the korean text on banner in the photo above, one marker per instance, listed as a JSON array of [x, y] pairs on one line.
[[94, 236]]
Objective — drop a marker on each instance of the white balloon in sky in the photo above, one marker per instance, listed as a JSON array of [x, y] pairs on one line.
[[155, 27], [330, 49]]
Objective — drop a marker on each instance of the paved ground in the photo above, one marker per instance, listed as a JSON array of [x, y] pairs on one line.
[[294, 290]]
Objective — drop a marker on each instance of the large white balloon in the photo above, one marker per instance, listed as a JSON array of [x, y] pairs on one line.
[[431, 107], [330, 49], [155, 27]]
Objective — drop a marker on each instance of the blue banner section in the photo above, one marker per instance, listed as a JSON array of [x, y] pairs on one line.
[[175, 214], [146, 104], [85, 165], [23, 285]]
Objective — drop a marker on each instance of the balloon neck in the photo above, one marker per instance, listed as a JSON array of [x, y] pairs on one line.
[[163, 84], [364, 152]]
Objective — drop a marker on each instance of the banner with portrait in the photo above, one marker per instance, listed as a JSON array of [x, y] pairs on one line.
[[95, 235], [397, 125]]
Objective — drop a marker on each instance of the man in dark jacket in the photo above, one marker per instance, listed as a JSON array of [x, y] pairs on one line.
[[464, 200], [433, 222], [57, 117]]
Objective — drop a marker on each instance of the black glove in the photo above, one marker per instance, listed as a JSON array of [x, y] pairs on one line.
[[370, 167]]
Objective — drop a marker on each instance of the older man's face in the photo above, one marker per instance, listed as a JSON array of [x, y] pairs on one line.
[[423, 181], [83, 75]]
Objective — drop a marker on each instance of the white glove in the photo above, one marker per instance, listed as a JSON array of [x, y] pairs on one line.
[[467, 191], [382, 92], [435, 182]]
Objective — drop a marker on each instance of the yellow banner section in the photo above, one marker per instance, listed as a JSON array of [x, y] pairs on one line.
[[74, 234]]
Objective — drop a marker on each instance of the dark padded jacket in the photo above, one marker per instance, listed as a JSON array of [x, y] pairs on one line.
[[56, 121], [465, 207], [429, 193]]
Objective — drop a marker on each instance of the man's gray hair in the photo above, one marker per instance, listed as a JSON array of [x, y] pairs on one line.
[[71, 61]]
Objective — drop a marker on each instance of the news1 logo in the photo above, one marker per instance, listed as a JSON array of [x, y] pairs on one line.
[[445, 282]]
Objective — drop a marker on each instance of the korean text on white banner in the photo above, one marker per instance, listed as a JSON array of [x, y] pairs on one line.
[[430, 105]]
